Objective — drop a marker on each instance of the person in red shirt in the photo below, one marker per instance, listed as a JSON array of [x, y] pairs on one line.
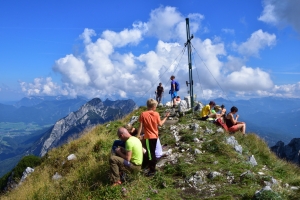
[[149, 122]]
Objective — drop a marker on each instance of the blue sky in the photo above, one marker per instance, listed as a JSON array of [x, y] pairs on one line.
[[123, 49]]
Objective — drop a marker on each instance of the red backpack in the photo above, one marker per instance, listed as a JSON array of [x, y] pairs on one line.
[[221, 122]]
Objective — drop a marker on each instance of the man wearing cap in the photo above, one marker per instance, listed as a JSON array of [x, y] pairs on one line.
[[206, 111]]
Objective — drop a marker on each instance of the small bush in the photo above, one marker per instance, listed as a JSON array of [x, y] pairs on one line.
[[27, 161]]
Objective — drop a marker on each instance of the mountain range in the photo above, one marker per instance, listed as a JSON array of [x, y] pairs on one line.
[[59, 119], [39, 110], [69, 116]]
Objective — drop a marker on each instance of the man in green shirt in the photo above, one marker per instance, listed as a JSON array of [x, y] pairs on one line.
[[128, 159]]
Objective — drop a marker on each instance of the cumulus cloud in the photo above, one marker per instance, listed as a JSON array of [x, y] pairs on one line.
[[233, 63], [289, 90], [247, 79], [281, 13], [41, 86], [73, 70], [123, 38], [163, 22], [167, 23], [258, 40], [107, 69]]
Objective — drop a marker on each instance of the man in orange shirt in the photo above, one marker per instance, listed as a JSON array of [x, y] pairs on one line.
[[149, 122]]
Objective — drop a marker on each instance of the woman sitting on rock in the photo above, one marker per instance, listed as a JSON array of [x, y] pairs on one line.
[[232, 123]]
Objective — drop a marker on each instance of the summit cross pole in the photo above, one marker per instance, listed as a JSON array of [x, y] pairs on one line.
[[188, 44]]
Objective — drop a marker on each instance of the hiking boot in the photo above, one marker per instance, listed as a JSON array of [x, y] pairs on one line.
[[148, 174]]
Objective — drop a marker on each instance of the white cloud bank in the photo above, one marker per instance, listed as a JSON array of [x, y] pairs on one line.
[[107, 69]]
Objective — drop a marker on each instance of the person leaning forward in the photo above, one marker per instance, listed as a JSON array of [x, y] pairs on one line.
[[129, 158], [206, 111]]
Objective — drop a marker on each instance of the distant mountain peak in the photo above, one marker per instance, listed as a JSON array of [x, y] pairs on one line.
[[94, 101], [90, 114]]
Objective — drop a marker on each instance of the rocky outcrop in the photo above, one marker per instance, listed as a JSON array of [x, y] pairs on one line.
[[290, 152], [90, 114]]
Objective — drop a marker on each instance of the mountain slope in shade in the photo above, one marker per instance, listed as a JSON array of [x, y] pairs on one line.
[[90, 114], [40, 110], [289, 152]]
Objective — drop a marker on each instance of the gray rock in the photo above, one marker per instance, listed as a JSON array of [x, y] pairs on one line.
[[27, 171], [56, 176], [195, 127], [196, 140], [294, 188], [209, 131], [133, 119], [72, 157], [252, 161], [213, 175], [238, 148], [220, 130], [197, 151], [266, 188], [197, 179], [234, 143]]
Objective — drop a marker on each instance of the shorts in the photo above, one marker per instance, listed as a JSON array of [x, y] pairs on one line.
[[234, 128], [173, 94]]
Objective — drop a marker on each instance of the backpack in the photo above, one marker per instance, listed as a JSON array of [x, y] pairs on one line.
[[177, 86], [220, 122]]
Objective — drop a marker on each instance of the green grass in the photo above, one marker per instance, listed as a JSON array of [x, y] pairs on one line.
[[87, 177]]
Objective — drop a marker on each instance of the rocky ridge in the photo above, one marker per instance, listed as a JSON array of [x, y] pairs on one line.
[[90, 114], [201, 161], [289, 152]]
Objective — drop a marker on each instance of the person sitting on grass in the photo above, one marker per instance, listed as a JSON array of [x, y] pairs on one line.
[[232, 123], [215, 111], [119, 143], [206, 111], [177, 100], [223, 110], [129, 158]]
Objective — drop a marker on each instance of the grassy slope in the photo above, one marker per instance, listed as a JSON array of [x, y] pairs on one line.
[[87, 177]]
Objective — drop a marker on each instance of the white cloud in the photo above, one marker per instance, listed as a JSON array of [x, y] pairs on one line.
[[289, 90], [87, 34], [41, 86], [281, 13], [233, 63], [123, 38], [248, 79], [165, 22], [72, 70], [106, 68], [258, 40]]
